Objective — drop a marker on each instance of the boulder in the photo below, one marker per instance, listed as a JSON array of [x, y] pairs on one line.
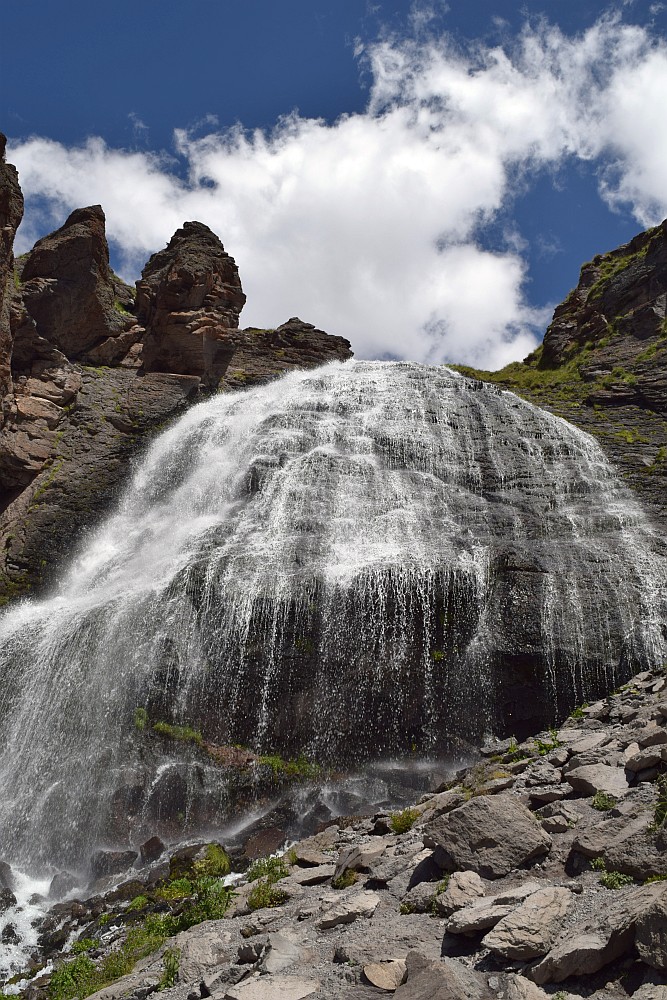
[[490, 835], [273, 988], [462, 888], [360, 857], [636, 918], [386, 975], [529, 931], [151, 850], [477, 917], [111, 862], [349, 909], [442, 979], [592, 778]]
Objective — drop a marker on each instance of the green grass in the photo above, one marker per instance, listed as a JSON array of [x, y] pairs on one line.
[[269, 869], [301, 767], [265, 894], [345, 879], [603, 801], [404, 820], [184, 734]]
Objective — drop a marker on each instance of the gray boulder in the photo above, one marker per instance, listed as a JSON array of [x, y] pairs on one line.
[[637, 918], [445, 979], [490, 835], [530, 930]]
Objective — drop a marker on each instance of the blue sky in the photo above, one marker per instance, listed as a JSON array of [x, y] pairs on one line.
[[425, 178]]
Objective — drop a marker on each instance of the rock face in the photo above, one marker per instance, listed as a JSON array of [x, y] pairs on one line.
[[603, 363], [11, 213], [68, 288], [86, 375]]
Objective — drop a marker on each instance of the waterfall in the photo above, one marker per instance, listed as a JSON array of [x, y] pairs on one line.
[[358, 560]]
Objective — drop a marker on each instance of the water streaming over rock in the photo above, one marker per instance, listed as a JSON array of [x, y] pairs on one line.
[[357, 561]]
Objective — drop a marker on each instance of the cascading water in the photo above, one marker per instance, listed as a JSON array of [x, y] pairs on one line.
[[360, 560]]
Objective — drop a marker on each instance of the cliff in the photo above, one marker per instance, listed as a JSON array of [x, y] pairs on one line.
[[91, 368], [603, 363]]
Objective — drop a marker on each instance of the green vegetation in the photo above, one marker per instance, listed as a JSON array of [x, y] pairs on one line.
[[171, 961], [178, 888], [346, 879], [437, 655], [615, 880], [138, 903], [300, 768], [184, 734], [544, 747], [119, 307], [404, 820], [269, 869], [598, 865], [406, 908], [84, 945], [265, 894], [656, 878], [215, 864], [578, 712], [140, 719], [603, 801]]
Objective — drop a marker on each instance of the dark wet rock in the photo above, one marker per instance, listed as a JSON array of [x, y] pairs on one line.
[[263, 842], [9, 935], [11, 213], [7, 899], [151, 850], [62, 884], [6, 876], [111, 862]]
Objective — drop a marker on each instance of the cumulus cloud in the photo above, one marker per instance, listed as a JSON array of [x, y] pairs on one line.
[[372, 227]]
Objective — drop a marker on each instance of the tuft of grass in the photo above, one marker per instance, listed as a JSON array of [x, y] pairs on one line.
[[265, 894], [269, 869], [404, 820], [140, 719], [544, 747], [603, 801], [300, 767], [171, 961], [578, 712], [346, 879], [138, 903], [184, 734]]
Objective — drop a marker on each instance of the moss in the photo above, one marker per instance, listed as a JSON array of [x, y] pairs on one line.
[[184, 734], [603, 802], [300, 768], [214, 864]]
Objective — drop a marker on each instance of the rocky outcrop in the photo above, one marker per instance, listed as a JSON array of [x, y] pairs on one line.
[[68, 288], [87, 374], [603, 363], [189, 298]]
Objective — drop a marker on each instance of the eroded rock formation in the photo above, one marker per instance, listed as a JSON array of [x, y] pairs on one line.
[[86, 373]]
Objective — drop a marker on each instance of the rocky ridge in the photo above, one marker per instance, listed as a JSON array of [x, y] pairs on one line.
[[91, 368], [540, 870], [603, 363]]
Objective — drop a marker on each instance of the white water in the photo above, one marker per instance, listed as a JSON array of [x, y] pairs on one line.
[[357, 561]]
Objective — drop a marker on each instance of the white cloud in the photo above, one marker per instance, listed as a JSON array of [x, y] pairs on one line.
[[370, 227]]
